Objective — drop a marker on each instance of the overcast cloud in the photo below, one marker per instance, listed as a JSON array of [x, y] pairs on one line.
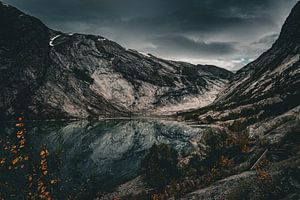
[[227, 33]]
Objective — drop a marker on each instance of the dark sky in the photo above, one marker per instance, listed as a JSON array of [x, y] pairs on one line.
[[227, 33]]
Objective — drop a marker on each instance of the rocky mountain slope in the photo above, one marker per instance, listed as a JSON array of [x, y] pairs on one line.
[[262, 102], [267, 87], [49, 74]]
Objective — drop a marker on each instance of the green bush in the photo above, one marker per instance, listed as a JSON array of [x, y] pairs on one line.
[[159, 166]]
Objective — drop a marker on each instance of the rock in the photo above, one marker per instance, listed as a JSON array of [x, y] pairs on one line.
[[284, 185]]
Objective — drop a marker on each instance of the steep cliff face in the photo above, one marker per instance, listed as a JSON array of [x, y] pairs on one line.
[[46, 73], [267, 87]]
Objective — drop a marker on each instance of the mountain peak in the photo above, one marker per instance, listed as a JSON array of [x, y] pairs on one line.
[[291, 29]]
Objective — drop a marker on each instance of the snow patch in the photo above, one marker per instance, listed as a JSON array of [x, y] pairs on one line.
[[52, 40], [145, 54], [4, 4], [101, 39]]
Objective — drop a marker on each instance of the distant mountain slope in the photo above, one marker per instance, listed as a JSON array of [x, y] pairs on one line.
[[46, 74], [267, 87]]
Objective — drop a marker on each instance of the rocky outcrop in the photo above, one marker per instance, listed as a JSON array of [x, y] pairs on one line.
[[284, 185], [50, 74], [280, 136]]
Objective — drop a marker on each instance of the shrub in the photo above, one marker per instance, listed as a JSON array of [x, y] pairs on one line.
[[159, 166], [242, 191], [237, 126]]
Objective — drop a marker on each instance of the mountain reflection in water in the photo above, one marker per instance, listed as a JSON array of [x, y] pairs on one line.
[[73, 160]]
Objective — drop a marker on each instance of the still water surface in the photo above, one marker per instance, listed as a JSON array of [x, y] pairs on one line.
[[82, 159]]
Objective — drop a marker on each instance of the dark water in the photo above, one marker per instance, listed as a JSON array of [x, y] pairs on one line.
[[80, 160]]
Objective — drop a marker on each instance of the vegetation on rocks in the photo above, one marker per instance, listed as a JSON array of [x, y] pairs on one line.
[[168, 177], [160, 166]]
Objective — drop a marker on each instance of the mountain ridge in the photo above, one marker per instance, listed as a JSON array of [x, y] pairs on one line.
[[50, 74]]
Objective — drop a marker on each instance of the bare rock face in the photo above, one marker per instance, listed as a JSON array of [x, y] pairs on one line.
[[46, 73]]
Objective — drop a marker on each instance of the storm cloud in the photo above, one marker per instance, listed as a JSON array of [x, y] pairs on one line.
[[227, 33]]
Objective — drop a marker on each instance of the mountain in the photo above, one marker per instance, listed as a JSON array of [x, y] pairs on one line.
[[265, 88], [247, 149], [261, 104], [49, 74]]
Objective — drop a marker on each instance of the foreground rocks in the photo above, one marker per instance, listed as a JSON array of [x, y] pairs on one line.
[[280, 136], [284, 184]]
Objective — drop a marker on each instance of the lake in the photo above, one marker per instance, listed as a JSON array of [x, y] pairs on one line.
[[79, 159]]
